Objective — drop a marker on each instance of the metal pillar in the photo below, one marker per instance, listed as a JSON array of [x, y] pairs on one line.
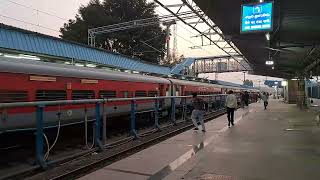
[[39, 138], [168, 25], [215, 103], [104, 127], [223, 102], [173, 111], [168, 43], [184, 108], [133, 131], [156, 114], [98, 127]]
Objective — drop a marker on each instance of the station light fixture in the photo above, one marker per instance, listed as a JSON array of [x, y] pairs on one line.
[[12, 56], [22, 56], [284, 83], [268, 36], [78, 64], [269, 63], [294, 79], [261, 1], [91, 65]]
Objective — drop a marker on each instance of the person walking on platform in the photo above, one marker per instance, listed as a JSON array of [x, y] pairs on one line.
[[198, 112], [231, 104], [265, 98]]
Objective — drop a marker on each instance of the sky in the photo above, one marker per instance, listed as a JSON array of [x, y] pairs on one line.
[[48, 16]]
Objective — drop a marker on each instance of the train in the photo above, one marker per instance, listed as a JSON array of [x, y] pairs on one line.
[[314, 91], [24, 80]]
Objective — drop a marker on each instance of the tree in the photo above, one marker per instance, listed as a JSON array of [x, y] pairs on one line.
[[127, 42], [248, 83]]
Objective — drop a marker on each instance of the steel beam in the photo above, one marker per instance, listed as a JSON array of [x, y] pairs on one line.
[[201, 17], [209, 33], [175, 5], [313, 64], [216, 57], [136, 24]]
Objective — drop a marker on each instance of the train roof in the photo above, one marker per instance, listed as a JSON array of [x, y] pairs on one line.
[[26, 66], [194, 83]]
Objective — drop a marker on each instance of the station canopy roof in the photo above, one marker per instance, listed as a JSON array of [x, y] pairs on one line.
[[294, 41]]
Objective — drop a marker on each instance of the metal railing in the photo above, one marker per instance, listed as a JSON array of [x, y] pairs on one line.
[[100, 139]]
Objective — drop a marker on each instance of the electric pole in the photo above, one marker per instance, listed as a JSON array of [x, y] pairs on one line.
[[244, 77], [168, 25], [175, 43]]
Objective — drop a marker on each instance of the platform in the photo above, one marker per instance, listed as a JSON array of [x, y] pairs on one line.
[[279, 143]]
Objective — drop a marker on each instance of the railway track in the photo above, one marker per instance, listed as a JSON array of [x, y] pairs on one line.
[[92, 161]]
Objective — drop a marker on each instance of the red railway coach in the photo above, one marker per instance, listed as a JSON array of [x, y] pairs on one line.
[[186, 88], [26, 80]]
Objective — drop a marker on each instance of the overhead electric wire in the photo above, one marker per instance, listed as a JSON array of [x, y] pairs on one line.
[[183, 28], [37, 10], [191, 32], [215, 50], [30, 23], [192, 43], [178, 24]]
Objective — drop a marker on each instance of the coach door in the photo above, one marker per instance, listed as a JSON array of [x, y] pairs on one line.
[[182, 92], [162, 90]]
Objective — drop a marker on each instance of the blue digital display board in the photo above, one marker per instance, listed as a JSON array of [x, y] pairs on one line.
[[256, 17]]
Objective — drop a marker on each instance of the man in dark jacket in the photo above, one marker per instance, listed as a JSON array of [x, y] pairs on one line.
[[198, 112]]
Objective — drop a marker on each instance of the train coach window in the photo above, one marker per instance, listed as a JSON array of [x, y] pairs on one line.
[[177, 93], [140, 94], [83, 94], [152, 93], [126, 94], [7, 96], [51, 95], [107, 94]]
